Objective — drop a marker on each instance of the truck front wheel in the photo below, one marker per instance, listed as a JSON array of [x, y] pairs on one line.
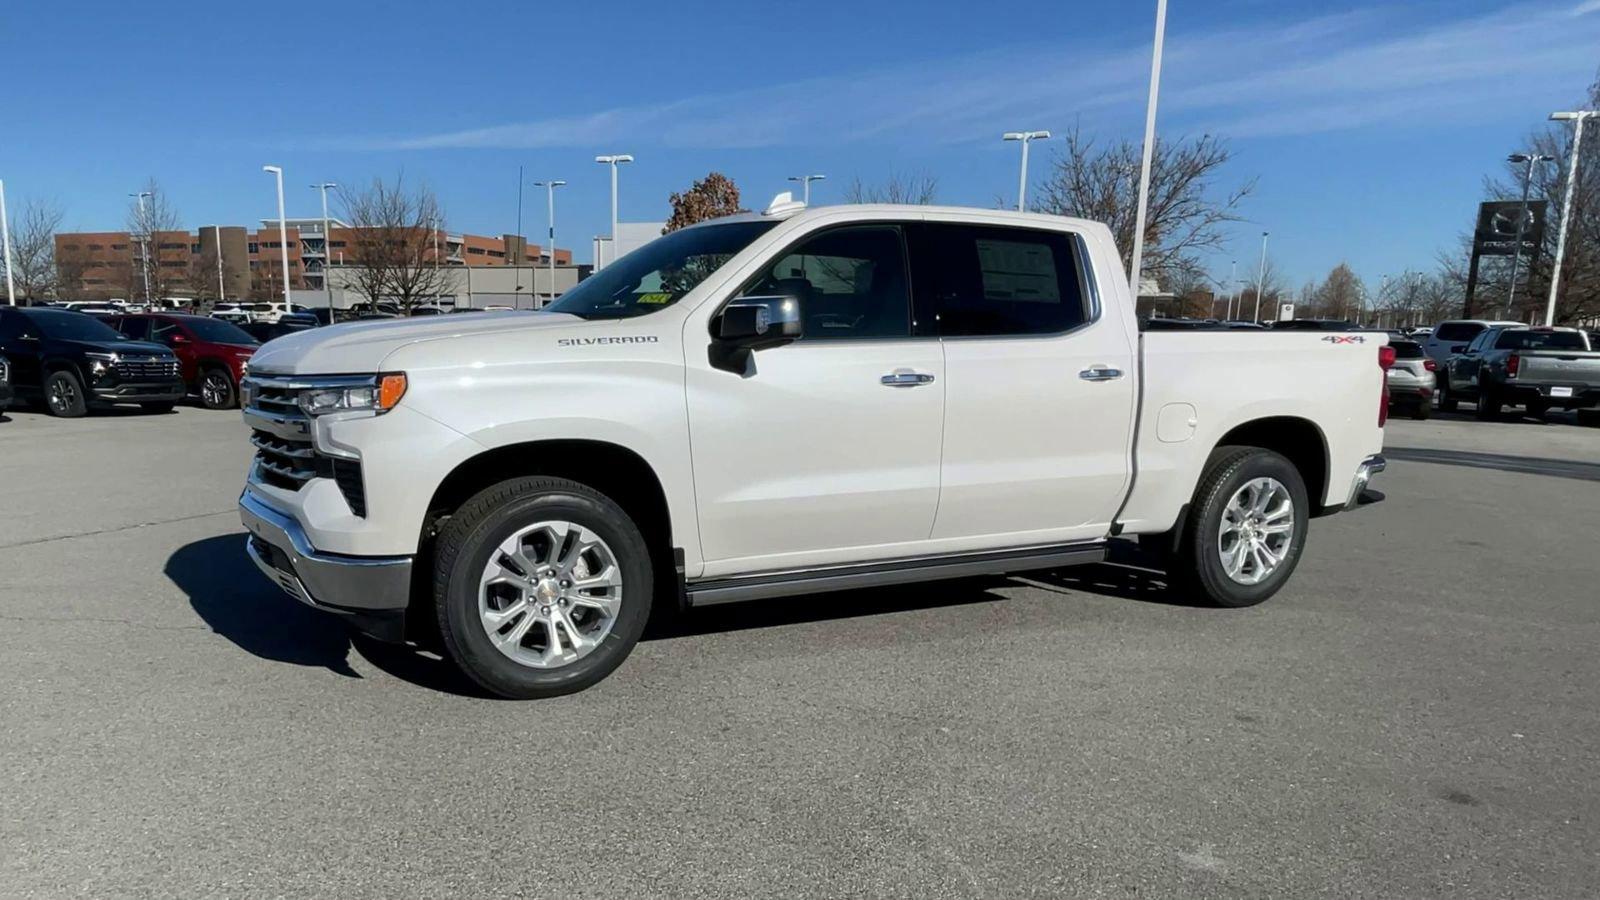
[[542, 587], [1246, 528]]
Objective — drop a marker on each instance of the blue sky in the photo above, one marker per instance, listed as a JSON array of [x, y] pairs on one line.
[[1369, 125]]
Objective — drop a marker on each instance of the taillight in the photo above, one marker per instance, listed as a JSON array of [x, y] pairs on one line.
[[1430, 365], [1513, 363], [1385, 362]]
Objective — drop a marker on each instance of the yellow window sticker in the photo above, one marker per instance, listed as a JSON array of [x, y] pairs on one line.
[[655, 299]]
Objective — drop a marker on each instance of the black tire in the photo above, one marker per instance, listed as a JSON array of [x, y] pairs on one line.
[[1589, 417], [1536, 409], [1422, 410], [63, 395], [477, 529], [1197, 568], [1447, 397], [160, 408], [1489, 405], [217, 389]]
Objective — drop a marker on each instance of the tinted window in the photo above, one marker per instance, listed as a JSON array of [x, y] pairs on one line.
[[998, 281], [1406, 349], [1458, 332], [217, 331], [851, 283], [13, 325], [659, 273], [63, 325], [136, 328], [1540, 340]]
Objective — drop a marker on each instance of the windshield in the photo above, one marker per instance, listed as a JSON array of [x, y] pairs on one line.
[[1540, 340], [62, 325], [658, 274], [216, 331]]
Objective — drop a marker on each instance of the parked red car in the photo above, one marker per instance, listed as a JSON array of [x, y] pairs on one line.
[[211, 352]]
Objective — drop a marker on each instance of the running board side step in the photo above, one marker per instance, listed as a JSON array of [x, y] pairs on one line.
[[890, 571]]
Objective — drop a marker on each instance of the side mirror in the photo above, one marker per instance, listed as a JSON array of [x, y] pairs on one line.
[[756, 323]]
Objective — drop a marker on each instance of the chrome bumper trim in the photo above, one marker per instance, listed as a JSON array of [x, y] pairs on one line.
[[1369, 467], [349, 584]]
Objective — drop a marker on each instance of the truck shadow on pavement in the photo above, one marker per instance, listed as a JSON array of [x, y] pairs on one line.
[[1525, 465], [237, 602]]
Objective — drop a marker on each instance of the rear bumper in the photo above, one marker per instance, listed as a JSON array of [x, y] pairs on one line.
[[1582, 395], [158, 392], [1410, 393], [373, 590]]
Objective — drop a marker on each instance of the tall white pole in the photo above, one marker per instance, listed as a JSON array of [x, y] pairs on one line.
[[327, 249], [1566, 209], [222, 292], [613, 217], [552, 201], [1261, 281], [283, 234], [5, 237], [1022, 179], [144, 246], [1149, 148]]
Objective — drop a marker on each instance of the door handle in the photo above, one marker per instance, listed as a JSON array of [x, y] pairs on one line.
[[1100, 373], [906, 378]]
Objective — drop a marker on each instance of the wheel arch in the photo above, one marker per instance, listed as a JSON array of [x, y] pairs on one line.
[[1298, 439]]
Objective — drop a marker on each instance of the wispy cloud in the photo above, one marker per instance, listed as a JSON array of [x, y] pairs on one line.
[[1264, 79]]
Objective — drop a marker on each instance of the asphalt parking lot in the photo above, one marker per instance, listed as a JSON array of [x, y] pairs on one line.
[[1415, 715]]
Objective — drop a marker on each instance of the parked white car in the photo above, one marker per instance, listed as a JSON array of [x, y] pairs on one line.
[[779, 404]]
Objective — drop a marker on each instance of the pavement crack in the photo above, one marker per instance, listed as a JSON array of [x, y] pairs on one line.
[[99, 620], [67, 537]]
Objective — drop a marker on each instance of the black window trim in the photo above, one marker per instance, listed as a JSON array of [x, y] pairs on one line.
[[762, 266], [1087, 286]]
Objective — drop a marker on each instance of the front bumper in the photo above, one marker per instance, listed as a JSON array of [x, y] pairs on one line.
[[1360, 493], [153, 392], [374, 590]]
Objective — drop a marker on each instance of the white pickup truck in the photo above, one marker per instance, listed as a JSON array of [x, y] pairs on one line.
[[779, 404]]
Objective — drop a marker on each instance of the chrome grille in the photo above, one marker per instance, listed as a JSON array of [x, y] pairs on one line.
[[284, 463], [147, 368]]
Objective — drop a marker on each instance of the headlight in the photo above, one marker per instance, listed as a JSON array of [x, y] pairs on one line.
[[376, 393], [100, 363]]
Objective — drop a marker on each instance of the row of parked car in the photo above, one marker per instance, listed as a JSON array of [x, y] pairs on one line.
[[1495, 365]]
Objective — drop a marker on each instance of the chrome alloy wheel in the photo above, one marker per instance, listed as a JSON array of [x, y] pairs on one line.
[[550, 594], [1257, 530], [215, 388]]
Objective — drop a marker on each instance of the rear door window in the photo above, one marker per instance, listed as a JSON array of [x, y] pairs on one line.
[[974, 280]]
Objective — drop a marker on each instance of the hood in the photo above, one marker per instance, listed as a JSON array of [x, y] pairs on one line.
[[121, 348], [361, 347]]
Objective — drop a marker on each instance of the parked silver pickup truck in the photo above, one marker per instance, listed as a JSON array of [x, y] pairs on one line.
[[1535, 368]]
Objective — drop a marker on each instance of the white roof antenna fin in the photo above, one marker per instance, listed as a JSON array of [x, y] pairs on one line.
[[783, 204]]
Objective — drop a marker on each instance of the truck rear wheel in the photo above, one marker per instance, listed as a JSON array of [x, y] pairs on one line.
[[1246, 528], [542, 587]]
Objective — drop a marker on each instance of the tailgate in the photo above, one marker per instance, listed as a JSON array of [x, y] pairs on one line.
[[1575, 367]]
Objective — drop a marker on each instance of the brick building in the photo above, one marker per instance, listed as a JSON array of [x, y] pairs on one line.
[[105, 264]]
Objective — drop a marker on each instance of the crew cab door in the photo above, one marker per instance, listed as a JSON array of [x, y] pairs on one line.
[[1039, 387], [826, 449], [20, 344]]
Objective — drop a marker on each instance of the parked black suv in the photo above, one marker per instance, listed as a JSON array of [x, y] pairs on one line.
[[72, 361]]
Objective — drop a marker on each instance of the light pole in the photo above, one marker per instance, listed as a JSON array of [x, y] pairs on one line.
[[805, 185], [144, 244], [283, 234], [1577, 119], [222, 291], [1261, 281], [1532, 159], [1149, 148], [613, 161], [522, 254], [327, 246], [1026, 137], [550, 196], [5, 237]]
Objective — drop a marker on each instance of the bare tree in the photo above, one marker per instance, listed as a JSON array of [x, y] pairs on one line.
[[33, 251], [1339, 296], [711, 197], [153, 222], [1185, 213], [391, 251], [918, 189], [202, 275]]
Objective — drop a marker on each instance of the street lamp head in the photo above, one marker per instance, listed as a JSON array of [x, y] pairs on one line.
[[276, 170], [1012, 136], [1025, 135], [1039, 135], [323, 186], [614, 159]]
